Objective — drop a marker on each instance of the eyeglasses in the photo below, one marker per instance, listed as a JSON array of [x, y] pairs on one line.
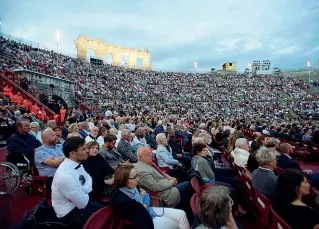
[[231, 202], [133, 178]]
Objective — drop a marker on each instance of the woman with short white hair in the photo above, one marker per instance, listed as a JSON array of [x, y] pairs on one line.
[[241, 152]]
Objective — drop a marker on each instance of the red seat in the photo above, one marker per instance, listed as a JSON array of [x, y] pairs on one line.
[[105, 218], [277, 222], [194, 203], [248, 187], [165, 169], [278, 171], [39, 183], [195, 185], [263, 207]]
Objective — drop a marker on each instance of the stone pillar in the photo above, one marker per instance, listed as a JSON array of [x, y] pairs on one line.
[[116, 60], [81, 51], [132, 60]]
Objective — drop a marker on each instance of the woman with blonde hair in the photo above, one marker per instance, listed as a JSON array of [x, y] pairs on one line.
[[100, 171]]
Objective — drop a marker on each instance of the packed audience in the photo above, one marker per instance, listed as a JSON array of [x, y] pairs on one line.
[[149, 145], [157, 131], [170, 92]]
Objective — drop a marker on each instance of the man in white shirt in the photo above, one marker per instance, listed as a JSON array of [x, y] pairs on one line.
[[71, 186]]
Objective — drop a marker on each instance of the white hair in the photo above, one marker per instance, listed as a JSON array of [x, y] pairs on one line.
[[160, 137], [160, 122], [240, 142], [198, 140]]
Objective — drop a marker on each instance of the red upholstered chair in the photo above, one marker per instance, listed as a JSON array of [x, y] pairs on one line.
[[278, 171], [165, 169], [277, 222], [197, 187], [39, 183], [262, 205], [105, 218], [248, 186], [194, 203]]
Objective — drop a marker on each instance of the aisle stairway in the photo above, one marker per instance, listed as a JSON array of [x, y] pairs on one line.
[[12, 80]]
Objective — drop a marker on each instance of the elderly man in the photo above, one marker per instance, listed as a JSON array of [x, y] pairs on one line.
[[154, 180], [49, 156], [22, 143], [164, 154], [51, 124], [264, 178], [241, 152], [124, 147], [35, 130], [92, 135], [84, 129]]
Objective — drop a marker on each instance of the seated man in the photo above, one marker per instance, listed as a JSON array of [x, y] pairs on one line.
[[22, 143], [125, 148], [178, 152], [284, 161], [264, 178], [149, 138], [109, 152], [154, 180], [49, 156], [92, 135], [164, 156], [241, 152], [84, 129], [71, 186]]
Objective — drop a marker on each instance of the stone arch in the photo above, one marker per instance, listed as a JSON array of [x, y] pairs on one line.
[[108, 58], [139, 63], [90, 53], [59, 94], [84, 43]]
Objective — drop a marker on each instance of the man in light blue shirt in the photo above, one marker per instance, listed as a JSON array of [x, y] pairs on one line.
[[163, 156], [49, 156]]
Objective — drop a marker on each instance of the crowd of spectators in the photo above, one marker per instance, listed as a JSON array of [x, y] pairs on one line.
[[170, 92], [121, 153]]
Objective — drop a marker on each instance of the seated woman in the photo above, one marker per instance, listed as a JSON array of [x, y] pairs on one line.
[[292, 185], [100, 171], [139, 139], [133, 204], [215, 209], [200, 164]]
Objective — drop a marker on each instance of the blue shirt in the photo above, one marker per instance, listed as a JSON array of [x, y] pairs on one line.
[[44, 152]]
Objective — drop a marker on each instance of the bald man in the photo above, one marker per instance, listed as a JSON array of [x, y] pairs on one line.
[[151, 179], [48, 156], [173, 194], [94, 131]]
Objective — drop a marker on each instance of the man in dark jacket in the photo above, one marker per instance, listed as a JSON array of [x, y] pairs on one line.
[[22, 143], [284, 161], [149, 138]]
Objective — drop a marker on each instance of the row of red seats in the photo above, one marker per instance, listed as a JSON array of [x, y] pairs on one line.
[[300, 149]]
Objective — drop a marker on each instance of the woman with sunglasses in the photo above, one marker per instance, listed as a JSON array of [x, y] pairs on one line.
[[133, 204], [215, 209]]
